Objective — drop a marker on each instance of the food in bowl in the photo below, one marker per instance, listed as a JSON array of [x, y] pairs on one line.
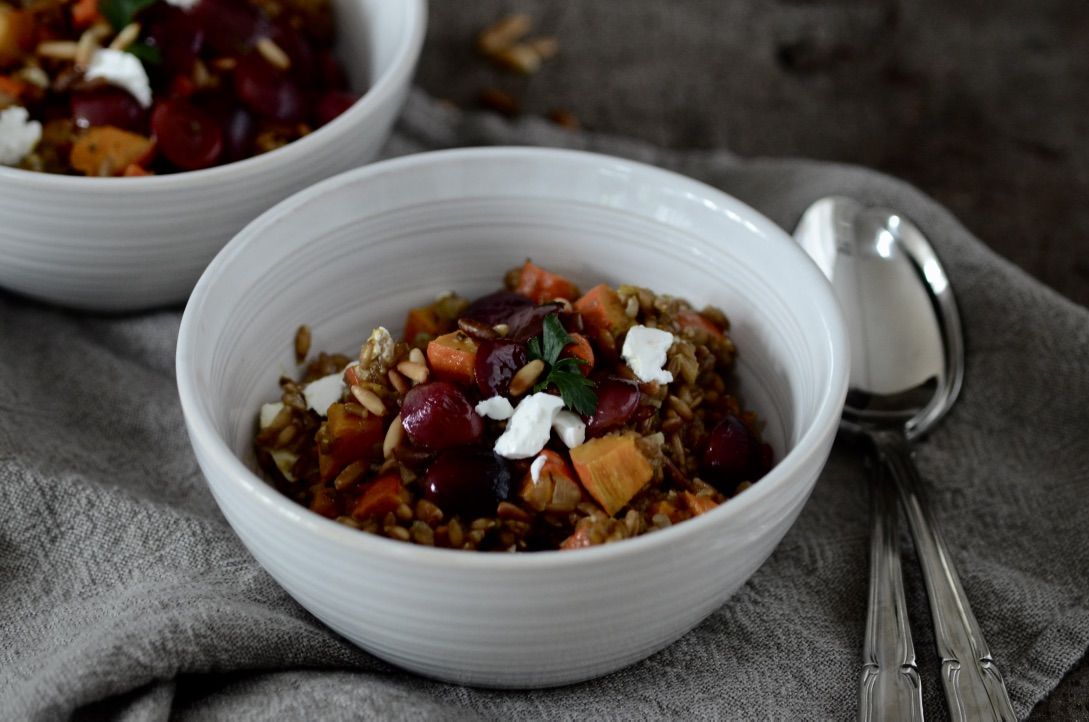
[[533, 418], [140, 87]]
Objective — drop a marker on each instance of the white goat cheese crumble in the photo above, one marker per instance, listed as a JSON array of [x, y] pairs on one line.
[[570, 428], [497, 407], [529, 427], [122, 69], [645, 351], [18, 135], [536, 466]]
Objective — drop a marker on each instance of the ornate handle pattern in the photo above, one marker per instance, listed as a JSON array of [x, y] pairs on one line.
[[890, 688], [974, 689]]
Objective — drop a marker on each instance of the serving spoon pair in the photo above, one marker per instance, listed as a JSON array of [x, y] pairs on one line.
[[907, 364]]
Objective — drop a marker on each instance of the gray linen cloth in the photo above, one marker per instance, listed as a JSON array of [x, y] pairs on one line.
[[124, 594]]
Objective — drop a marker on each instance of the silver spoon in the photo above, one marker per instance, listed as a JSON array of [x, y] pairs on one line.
[[907, 363]]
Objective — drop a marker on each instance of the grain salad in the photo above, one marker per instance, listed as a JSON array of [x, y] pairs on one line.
[[537, 417]]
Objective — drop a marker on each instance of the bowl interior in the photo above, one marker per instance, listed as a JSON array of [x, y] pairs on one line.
[[359, 250]]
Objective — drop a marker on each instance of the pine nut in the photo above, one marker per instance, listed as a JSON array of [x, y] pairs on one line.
[[415, 371], [503, 33], [526, 377], [126, 37], [395, 434], [501, 328], [398, 381], [58, 49], [369, 400], [416, 356], [273, 53]]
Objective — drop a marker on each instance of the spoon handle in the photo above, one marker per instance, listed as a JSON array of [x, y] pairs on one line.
[[890, 687], [974, 689]]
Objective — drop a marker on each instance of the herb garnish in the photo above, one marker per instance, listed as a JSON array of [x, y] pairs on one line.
[[575, 389], [120, 13], [145, 53]]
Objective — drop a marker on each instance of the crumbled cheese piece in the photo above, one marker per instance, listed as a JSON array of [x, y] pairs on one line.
[[497, 407], [122, 69], [324, 392], [645, 351], [18, 135], [285, 462], [536, 466], [183, 4], [570, 428], [269, 412], [529, 427]]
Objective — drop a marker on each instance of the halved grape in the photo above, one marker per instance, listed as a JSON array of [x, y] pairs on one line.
[[730, 455], [332, 103], [177, 35], [231, 27], [108, 106], [496, 363], [617, 400], [186, 135], [437, 415], [268, 91], [467, 481]]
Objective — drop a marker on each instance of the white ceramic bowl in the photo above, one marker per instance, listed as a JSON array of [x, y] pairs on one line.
[[115, 244], [360, 249]]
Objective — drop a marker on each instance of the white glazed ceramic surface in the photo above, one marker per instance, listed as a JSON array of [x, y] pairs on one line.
[[129, 243], [360, 249]]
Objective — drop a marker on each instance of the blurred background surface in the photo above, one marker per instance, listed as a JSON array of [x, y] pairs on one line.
[[983, 105]]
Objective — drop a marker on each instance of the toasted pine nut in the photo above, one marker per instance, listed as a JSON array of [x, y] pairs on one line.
[[126, 37], [398, 381], [519, 58], [224, 64], [34, 75], [273, 53], [302, 343], [201, 77], [404, 512], [58, 49], [417, 372], [86, 47], [369, 400], [416, 356], [501, 328], [526, 377], [546, 46], [395, 434], [631, 310], [397, 532], [503, 33]]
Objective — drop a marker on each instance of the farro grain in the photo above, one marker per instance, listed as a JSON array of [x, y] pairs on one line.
[[273, 53]]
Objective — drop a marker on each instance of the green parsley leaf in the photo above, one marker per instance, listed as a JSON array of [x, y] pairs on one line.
[[564, 374], [120, 13], [147, 54]]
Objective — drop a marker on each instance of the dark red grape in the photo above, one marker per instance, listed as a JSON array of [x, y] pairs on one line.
[[108, 106], [177, 36], [617, 400], [496, 307], [330, 74], [525, 323], [230, 27], [299, 52], [437, 415], [730, 455], [268, 91], [187, 136], [496, 364], [467, 481], [332, 103], [239, 131]]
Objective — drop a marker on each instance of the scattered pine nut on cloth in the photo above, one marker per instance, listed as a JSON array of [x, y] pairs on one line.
[[124, 593]]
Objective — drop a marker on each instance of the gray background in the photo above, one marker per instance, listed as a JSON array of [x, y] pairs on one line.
[[983, 105]]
